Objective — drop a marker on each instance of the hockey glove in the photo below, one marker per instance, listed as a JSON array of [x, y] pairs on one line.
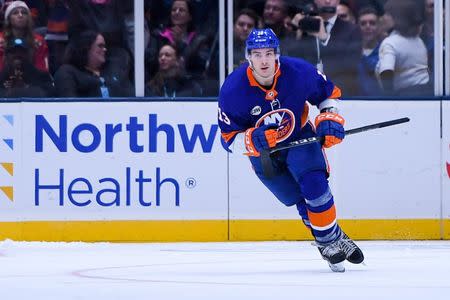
[[258, 138], [331, 127]]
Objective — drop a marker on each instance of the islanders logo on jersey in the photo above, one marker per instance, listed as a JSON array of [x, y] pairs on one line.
[[284, 118]]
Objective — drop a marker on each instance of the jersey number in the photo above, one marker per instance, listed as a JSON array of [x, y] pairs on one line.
[[223, 117]]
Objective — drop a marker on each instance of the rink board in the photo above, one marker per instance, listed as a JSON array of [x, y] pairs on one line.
[[156, 171], [446, 167]]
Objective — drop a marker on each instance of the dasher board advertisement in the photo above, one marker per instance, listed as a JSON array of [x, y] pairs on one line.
[[111, 161]]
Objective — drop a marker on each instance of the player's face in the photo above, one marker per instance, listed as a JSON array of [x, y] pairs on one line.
[[263, 61]]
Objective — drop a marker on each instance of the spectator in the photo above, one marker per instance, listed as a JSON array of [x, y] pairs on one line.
[[244, 22], [180, 31], [38, 14], [19, 24], [369, 24], [344, 12], [171, 80], [202, 63], [157, 12], [206, 16], [107, 17], [357, 5], [57, 31], [386, 25], [255, 5], [104, 16], [403, 64], [334, 46], [152, 45], [19, 77], [427, 34], [275, 16], [87, 73], [129, 27]]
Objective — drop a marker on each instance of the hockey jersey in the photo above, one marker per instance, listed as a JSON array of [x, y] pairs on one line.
[[244, 103]]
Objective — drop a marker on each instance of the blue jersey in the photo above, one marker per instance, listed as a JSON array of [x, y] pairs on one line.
[[244, 103]]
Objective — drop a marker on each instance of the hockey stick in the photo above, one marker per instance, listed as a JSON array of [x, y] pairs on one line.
[[266, 160]]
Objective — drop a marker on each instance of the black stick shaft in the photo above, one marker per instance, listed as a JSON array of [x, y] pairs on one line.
[[347, 132], [376, 126], [266, 160]]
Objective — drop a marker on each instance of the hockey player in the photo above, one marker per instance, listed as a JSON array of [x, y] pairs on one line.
[[264, 103]]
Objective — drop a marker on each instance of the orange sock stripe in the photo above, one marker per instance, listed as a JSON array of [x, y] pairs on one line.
[[324, 218]]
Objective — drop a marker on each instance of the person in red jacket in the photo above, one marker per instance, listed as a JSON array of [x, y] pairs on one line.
[[18, 23]]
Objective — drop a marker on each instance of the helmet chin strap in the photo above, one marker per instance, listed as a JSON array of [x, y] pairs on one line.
[[268, 77]]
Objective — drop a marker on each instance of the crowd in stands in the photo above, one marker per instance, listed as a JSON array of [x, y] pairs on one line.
[[367, 47], [85, 48]]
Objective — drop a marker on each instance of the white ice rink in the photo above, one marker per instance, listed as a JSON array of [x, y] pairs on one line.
[[263, 270]]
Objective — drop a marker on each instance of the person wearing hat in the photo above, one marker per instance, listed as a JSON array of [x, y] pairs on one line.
[[19, 77], [18, 24]]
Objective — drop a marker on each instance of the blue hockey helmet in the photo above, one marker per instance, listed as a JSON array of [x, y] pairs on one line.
[[262, 38]]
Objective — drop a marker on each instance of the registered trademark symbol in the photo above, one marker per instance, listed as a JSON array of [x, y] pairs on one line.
[[190, 183]]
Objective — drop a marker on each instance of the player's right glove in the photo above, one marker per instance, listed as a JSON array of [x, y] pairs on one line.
[[259, 138]]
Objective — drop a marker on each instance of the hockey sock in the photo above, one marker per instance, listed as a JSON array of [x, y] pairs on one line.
[[320, 207]]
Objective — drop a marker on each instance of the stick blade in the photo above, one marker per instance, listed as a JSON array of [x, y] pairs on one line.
[[266, 163]]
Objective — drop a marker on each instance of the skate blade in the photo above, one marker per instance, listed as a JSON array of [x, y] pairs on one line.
[[339, 267]]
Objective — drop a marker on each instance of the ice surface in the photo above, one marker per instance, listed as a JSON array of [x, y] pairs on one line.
[[251, 270]]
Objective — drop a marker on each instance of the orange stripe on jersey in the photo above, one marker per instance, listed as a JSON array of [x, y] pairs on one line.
[[227, 136], [305, 114], [270, 94], [251, 78], [324, 218], [336, 93]]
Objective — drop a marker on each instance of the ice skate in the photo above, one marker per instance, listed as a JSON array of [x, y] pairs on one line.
[[339, 267], [333, 254], [352, 252]]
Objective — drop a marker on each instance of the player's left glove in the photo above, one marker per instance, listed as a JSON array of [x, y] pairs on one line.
[[331, 127]]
